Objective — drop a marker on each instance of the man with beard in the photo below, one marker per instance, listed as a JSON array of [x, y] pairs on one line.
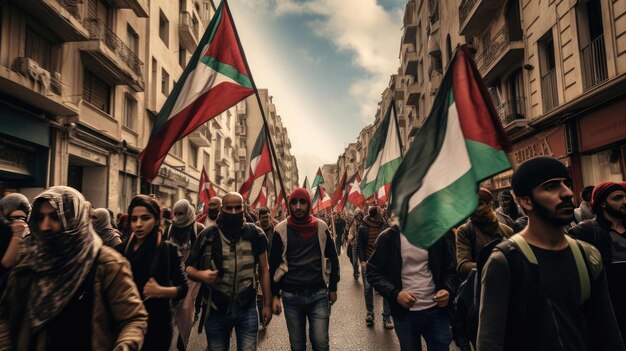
[[215, 204], [305, 270], [226, 258], [542, 290], [607, 232], [508, 212], [480, 230], [68, 291], [267, 223], [372, 226]]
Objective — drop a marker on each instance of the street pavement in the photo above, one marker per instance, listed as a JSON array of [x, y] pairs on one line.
[[347, 323]]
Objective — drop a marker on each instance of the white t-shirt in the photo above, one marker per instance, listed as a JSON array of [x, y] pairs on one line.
[[416, 275]]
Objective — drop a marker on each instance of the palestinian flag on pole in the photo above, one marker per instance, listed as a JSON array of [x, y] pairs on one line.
[[460, 144], [206, 190], [260, 163], [383, 155], [340, 191], [305, 185], [319, 179], [261, 200], [215, 79], [355, 196], [321, 200]]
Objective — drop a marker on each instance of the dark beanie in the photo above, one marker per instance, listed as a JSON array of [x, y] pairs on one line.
[[535, 171], [602, 191]]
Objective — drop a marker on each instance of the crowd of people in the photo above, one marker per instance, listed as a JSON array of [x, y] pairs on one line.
[[74, 277]]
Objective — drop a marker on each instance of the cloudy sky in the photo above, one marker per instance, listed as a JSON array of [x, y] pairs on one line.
[[325, 62]]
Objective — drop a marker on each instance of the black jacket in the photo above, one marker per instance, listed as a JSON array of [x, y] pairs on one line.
[[595, 232], [384, 268]]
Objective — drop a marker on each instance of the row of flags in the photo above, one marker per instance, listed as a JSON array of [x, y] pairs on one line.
[[430, 189]]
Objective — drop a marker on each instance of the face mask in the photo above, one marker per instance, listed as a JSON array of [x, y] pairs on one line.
[[231, 222], [213, 213]]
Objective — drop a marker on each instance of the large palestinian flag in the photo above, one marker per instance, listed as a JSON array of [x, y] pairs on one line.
[[319, 179], [384, 155], [260, 163], [460, 144], [355, 196], [215, 79]]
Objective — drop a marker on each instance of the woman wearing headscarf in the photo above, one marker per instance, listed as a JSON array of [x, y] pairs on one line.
[[68, 291], [101, 221], [15, 209], [157, 270], [183, 232]]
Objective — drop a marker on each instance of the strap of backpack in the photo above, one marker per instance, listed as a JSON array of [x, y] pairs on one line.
[[525, 248], [583, 273]]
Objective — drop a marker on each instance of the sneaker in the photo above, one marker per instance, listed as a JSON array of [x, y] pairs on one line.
[[388, 324], [369, 320], [261, 327]]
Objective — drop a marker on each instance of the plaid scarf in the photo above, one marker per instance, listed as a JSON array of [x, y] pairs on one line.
[[61, 261]]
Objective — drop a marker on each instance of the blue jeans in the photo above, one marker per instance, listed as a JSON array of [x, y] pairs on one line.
[[316, 307], [433, 324], [355, 260], [369, 297], [219, 326]]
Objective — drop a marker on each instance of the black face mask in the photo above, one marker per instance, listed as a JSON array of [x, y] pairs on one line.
[[213, 213], [231, 224]]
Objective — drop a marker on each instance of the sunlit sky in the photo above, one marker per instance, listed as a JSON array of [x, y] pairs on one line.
[[325, 62]]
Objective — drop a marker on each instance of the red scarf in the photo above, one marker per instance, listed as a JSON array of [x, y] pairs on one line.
[[306, 227]]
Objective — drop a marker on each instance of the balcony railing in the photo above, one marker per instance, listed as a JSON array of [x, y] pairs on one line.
[[465, 9], [594, 65], [100, 31], [494, 48], [512, 110], [72, 6], [549, 93]]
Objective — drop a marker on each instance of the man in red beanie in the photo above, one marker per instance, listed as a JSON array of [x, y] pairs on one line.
[[305, 270], [607, 232]]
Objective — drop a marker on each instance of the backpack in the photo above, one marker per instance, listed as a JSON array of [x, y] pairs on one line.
[[468, 297]]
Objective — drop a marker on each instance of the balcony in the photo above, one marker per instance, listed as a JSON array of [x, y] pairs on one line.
[[549, 92], [63, 16], [512, 114], [413, 126], [499, 54], [188, 31], [409, 61], [242, 154], [594, 64], [240, 130], [472, 15], [410, 23], [413, 94], [27, 82], [201, 136], [110, 58], [139, 7], [400, 89]]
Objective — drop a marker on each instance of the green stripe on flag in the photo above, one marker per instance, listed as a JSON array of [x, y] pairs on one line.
[[227, 70], [385, 176]]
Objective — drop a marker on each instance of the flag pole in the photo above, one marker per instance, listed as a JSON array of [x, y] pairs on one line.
[[258, 98], [395, 115]]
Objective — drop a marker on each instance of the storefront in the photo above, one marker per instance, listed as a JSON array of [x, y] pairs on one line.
[[170, 185], [24, 152], [602, 144], [87, 171]]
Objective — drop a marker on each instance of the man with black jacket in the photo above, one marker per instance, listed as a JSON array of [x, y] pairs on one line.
[[542, 290], [419, 285], [607, 232]]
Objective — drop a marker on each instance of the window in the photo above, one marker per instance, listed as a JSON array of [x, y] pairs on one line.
[[165, 82], [547, 69], [130, 110], [182, 56], [98, 10], [177, 149], [96, 92], [206, 159], [207, 11], [193, 155], [133, 40], [38, 49], [164, 28]]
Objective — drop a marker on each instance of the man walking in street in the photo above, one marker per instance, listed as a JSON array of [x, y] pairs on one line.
[[267, 223], [508, 211], [419, 285], [542, 290], [372, 226], [584, 211], [215, 204], [68, 291], [226, 257], [340, 232], [305, 271], [607, 232], [357, 221]]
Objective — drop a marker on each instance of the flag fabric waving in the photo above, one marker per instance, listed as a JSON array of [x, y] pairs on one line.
[[384, 154], [260, 163], [305, 185], [321, 200], [460, 144], [341, 189], [355, 196], [215, 79], [261, 200], [206, 190], [319, 179]]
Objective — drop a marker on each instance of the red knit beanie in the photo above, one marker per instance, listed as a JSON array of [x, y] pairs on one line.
[[602, 191]]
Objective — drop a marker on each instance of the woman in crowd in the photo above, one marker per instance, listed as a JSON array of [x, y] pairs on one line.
[[157, 270], [101, 221]]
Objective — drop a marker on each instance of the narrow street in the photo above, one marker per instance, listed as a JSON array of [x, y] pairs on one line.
[[347, 323]]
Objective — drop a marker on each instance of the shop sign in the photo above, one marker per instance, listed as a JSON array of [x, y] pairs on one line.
[[539, 148], [13, 161], [172, 179], [549, 143], [603, 127]]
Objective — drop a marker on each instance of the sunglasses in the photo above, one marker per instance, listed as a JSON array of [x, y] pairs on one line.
[[233, 208], [298, 201]]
